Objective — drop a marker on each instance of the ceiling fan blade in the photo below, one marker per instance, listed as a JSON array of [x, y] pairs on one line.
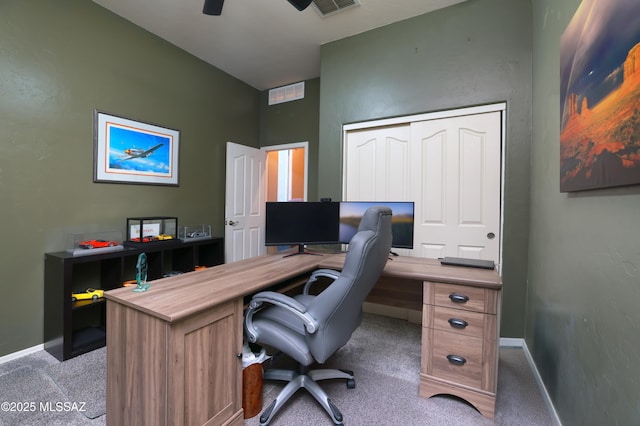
[[213, 7], [300, 4]]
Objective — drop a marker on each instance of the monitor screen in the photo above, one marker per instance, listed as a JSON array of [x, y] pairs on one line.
[[401, 223], [291, 223]]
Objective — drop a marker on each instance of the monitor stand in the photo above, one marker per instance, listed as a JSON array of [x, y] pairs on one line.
[[301, 250]]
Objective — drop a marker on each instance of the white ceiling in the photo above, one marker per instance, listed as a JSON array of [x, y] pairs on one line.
[[265, 43]]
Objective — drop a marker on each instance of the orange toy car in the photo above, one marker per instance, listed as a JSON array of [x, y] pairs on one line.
[[143, 240]]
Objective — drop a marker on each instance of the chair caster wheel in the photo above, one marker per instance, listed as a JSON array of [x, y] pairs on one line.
[[351, 384]]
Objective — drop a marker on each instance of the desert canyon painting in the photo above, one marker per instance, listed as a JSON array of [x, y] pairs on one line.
[[600, 96]]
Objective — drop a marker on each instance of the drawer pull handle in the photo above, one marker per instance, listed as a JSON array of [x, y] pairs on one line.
[[458, 323], [456, 359], [458, 298]]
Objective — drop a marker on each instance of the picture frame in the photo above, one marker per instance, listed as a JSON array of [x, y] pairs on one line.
[[599, 94], [135, 152]]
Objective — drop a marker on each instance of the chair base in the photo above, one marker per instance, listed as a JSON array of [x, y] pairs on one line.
[[307, 379]]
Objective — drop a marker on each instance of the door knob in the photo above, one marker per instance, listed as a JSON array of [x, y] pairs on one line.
[[491, 235], [232, 223]]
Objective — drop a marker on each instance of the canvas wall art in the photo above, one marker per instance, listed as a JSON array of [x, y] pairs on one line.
[[600, 96]]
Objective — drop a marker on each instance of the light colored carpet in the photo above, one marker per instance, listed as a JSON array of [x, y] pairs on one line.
[[40, 390], [83, 381], [384, 354]]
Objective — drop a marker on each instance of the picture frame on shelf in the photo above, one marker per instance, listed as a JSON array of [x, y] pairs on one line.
[[151, 230], [135, 152]]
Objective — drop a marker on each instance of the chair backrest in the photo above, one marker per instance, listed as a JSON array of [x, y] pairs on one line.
[[338, 308]]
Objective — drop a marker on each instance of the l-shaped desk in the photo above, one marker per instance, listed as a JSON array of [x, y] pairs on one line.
[[173, 352]]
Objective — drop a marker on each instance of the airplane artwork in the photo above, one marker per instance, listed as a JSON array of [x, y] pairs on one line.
[[134, 152], [139, 153]]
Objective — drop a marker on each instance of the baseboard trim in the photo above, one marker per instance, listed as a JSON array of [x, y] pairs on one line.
[[509, 342], [23, 352]]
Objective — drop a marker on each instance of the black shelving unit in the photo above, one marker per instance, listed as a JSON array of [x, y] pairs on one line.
[[74, 328]]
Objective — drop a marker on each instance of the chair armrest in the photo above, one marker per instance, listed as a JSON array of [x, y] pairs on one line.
[[283, 301], [328, 273]]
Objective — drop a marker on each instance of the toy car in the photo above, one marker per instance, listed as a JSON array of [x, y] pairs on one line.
[[91, 244], [144, 239], [89, 293], [196, 234], [164, 237], [130, 283]]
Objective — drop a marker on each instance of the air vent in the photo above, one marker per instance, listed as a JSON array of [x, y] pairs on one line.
[[288, 93], [329, 7]]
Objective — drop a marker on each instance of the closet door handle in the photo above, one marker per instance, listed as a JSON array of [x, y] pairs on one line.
[[458, 323], [458, 298]]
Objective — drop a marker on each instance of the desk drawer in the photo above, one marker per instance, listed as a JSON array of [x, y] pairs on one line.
[[455, 357], [469, 298], [457, 321]]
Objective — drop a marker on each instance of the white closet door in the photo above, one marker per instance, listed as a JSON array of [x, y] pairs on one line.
[[376, 164], [457, 162], [450, 168]]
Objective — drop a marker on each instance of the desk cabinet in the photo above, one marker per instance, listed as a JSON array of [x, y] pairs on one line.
[[174, 353], [460, 336], [174, 373]]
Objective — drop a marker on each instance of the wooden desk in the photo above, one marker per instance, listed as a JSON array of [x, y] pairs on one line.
[[173, 351]]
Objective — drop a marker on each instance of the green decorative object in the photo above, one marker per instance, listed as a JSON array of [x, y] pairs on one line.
[[141, 273]]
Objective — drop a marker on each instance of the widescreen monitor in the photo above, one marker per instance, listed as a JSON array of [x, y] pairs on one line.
[[401, 223], [301, 223]]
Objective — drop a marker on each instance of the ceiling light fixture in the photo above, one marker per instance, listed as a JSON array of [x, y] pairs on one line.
[[214, 7], [300, 4]]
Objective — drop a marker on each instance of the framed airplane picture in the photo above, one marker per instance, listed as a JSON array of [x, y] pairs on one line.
[[129, 151], [600, 96]]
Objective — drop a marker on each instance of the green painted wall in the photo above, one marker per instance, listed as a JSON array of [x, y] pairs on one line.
[[60, 60], [295, 121], [583, 321], [473, 53]]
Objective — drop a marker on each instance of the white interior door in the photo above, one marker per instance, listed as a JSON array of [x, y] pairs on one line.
[[457, 162], [245, 202], [450, 167]]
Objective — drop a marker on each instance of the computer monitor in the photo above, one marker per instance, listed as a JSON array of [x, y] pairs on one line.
[[401, 223], [301, 223]]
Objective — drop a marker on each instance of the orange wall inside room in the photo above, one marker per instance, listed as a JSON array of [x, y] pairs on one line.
[[296, 172]]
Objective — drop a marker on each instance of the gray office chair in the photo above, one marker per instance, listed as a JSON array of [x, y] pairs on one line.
[[311, 328]]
